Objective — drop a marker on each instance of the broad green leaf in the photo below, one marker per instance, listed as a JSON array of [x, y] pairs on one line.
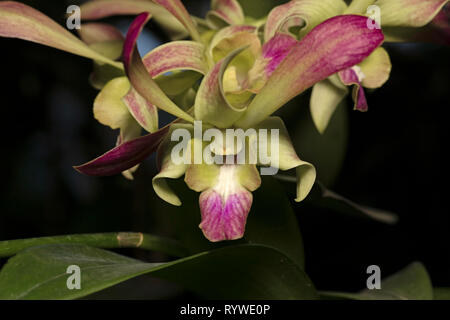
[[441, 293], [239, 272], [410, 283], [99, 240], [21, 21]]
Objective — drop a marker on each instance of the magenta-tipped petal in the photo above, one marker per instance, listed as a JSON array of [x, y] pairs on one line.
[[139, 76], [276, 49], [124, 156], [224, 216]]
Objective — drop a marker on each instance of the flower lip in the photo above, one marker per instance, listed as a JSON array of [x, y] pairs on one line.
[[225, 207]]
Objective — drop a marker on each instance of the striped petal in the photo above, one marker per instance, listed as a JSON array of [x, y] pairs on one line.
[[273, 53], [98, 9], [124, 156], [145, 113], [324, 51], [354, 76], [176, 55], [18, 20], [225, 200], [225, 12], [138, 75], [305, 14]]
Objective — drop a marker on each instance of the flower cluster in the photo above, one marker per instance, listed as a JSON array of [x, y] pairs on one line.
[[233, 73]]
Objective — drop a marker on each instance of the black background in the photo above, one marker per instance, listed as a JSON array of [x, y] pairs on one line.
[[396, 160]]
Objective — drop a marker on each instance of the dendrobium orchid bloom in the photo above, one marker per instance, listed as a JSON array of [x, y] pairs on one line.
[[243, 84]]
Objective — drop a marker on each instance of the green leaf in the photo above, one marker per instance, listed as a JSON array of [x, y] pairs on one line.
[[100, 240], [239, 272], [410, 283], [441, 293]]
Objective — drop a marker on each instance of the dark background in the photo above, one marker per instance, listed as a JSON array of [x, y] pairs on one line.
[[395, 159]]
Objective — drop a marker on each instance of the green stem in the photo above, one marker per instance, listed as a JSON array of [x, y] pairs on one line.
[[100, 240]]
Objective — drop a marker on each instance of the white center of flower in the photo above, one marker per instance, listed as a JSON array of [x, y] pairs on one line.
[[227, 182]]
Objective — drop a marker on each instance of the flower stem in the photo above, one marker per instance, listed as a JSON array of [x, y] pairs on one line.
[[100, 240]]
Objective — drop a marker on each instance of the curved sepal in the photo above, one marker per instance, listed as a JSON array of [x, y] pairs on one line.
[[305, 14], [176, 55], [99, 9], [376, 68], [210, 104], [287, 157], [124, 156], [322, 52], [138, 75], [18, 20]]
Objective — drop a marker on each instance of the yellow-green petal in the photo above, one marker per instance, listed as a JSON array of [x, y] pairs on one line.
[[305, 14], [325, 97], [288, 158]]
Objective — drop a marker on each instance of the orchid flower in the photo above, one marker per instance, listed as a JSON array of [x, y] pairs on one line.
[[241, 88], [300, 16]]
